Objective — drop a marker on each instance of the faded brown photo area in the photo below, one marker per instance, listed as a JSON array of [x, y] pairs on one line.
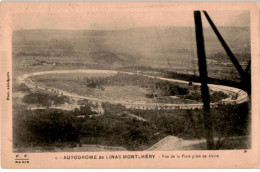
[[135, 79]]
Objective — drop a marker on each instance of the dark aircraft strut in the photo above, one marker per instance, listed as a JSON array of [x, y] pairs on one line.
[[244, 75]]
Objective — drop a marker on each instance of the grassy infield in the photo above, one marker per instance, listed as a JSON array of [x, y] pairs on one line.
[[56, 128]]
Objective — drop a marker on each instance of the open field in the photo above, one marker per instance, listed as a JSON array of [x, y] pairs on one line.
[[75, 83], [170, 48]]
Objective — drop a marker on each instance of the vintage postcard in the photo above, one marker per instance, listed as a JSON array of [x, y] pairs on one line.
[[130, 84]]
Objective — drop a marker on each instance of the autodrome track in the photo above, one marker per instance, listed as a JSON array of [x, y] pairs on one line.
[[236, 96]]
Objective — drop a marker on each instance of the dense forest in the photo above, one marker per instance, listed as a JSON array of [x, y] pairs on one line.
[[53, 128]]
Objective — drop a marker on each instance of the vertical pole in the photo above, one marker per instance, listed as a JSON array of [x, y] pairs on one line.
[[226, 47], [204, 80]]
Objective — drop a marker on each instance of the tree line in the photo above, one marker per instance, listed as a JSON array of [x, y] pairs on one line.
[[164, 88], [53, 127]]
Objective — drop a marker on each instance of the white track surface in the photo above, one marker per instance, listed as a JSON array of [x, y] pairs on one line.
[[240, 95]]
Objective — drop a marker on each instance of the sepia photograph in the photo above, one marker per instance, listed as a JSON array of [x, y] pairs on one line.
[[130, 78], [107, 88]]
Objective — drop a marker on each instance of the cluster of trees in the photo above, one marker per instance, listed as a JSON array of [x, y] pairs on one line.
[[228, 120], [179, 123], [232, 120], [217, 96], [52, 127], [83, 110], [214, 97], [187, 77], [164, 88], [120, 79], [112, 109], [170, 89], [161, 72], [87, 102], [194, 96], [21, 87], [45, 99]]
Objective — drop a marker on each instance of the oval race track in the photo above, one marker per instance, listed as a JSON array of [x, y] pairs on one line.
[[236, 96]]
